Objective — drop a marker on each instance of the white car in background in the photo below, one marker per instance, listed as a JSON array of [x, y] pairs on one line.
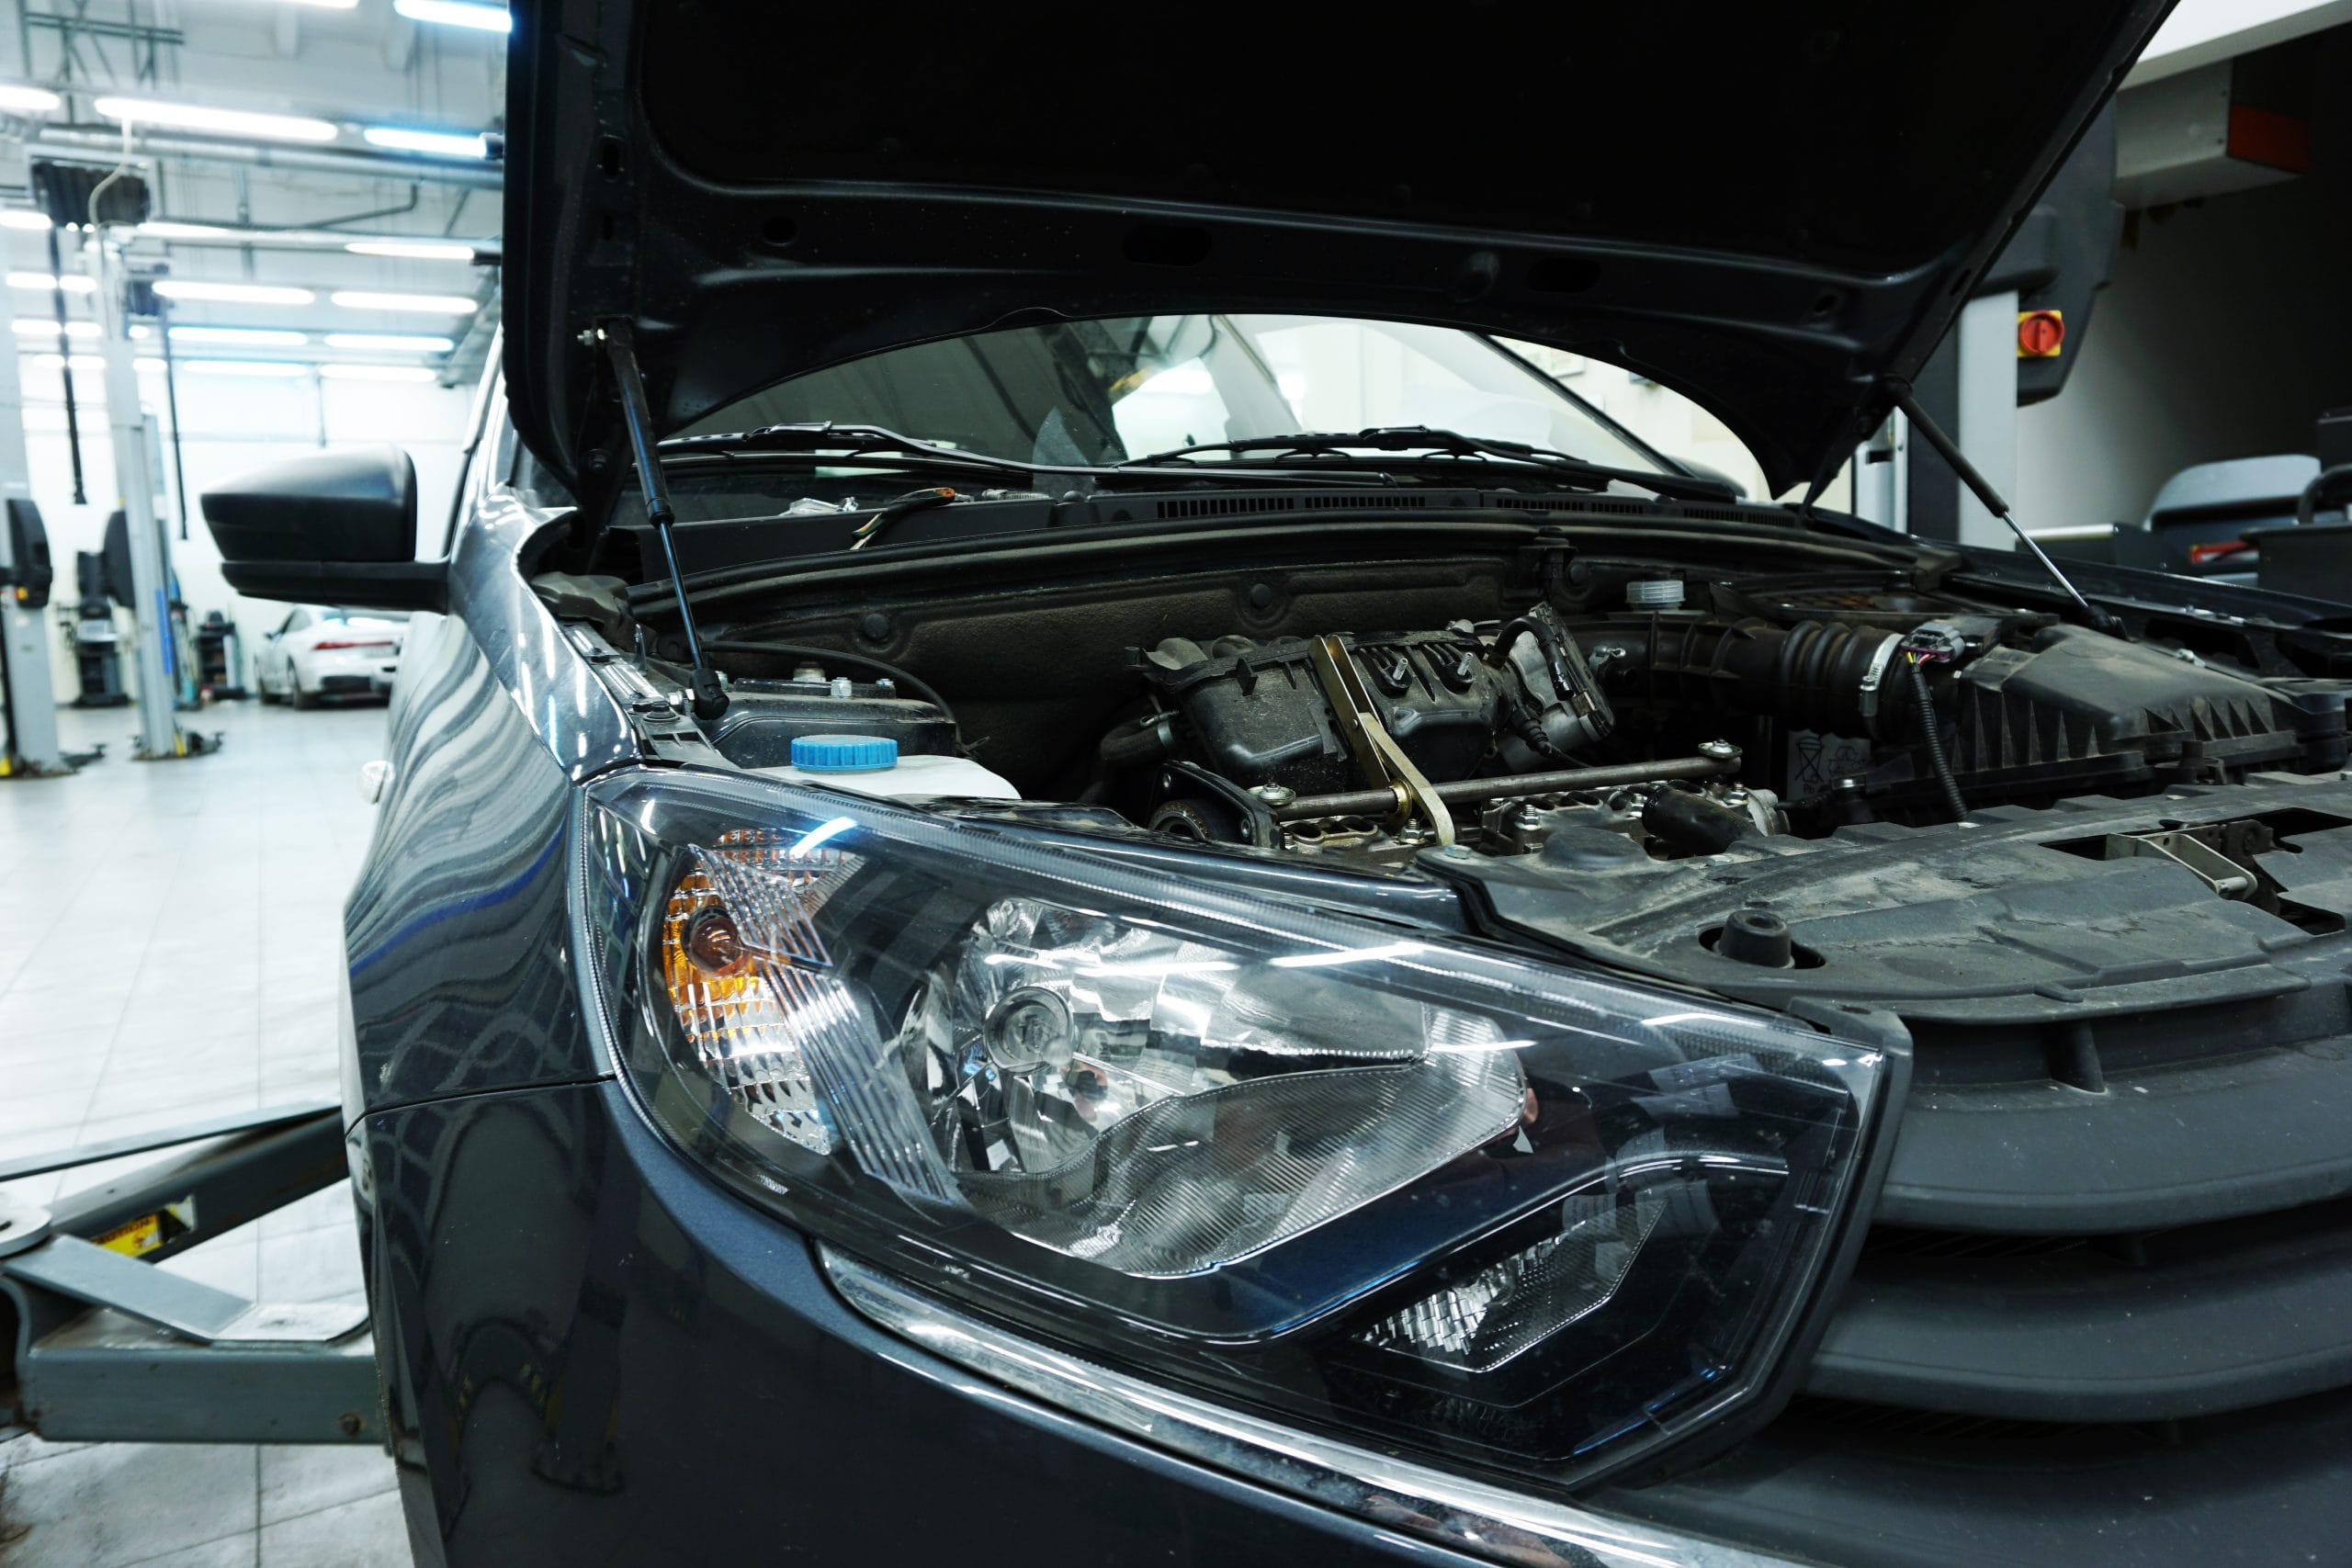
[[322, 651]]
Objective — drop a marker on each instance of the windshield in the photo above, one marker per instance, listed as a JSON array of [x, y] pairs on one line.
[[1094, 393]]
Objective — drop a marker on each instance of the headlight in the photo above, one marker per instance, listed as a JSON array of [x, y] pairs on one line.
[[1387, 1182]]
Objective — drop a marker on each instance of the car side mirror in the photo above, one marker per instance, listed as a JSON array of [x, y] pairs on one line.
[[333, 527]]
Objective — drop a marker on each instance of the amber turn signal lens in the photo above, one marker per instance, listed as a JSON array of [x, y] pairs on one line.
[[709, 976], [724, 963]]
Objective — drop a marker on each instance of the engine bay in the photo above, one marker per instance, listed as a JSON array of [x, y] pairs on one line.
[[1651, 715], [1870, 783], [1668, 712]]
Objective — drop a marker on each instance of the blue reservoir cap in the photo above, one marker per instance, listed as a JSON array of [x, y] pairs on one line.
[[843, 753]]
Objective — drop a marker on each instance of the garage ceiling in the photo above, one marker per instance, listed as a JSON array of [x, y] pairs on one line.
[[358, 195]]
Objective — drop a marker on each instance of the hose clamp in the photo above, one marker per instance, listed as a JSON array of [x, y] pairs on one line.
[[1874, 677]]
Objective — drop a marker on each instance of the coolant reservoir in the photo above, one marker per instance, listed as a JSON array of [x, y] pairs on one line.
[[871, 764]]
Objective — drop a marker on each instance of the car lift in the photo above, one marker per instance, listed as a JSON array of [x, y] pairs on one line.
[[104, 1346], [160, 736], [32, 747], [104, 205]]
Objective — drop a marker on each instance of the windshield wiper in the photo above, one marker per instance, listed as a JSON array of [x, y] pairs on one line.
[[848, 444], [852, 445], [856, 446], [1425, 444]]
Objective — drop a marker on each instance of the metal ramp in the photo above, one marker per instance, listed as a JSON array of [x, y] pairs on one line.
[[104, 1346]]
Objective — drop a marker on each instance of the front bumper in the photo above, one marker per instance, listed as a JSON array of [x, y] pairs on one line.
[[593, 1351]]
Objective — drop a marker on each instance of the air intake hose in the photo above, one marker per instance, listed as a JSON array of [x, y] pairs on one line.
[[1823, 675]]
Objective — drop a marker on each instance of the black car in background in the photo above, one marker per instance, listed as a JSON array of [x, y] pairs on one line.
[[994, 942]]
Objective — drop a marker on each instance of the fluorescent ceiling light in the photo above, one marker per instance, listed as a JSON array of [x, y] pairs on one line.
[[441, 143], [32, 326], [257, 337], [18, 98], [232, 293], [389, 343], [169, 229], [75, 282], [23, 218], [227, 122], [378, 373], [271, 367], [457, 14], [411, 250], [422, 304], [90, 365]]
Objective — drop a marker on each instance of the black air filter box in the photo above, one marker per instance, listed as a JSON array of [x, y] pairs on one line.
[[2077, 706]]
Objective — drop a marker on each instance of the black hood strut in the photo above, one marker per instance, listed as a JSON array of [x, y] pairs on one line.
[[1949, 450], [711, 698]]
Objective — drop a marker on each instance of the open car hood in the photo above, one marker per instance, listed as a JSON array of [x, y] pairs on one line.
[[1771, 208]]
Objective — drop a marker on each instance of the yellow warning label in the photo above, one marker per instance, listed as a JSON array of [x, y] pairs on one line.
[[145, 1233], [148, 1231]]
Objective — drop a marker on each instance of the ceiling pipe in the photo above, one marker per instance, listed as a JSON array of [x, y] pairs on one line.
[[242, 237], [107, 144]]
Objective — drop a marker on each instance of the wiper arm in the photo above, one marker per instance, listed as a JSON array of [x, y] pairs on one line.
[[1448, 446], [849, 445], [846, 444]]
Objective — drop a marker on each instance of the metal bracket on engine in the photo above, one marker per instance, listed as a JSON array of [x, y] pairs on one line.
[[2235, 878], [1381, 761]]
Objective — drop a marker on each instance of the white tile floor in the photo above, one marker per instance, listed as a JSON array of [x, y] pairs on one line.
[[169, 933]]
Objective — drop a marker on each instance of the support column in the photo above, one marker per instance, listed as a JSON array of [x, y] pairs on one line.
[[33, 705], [1987, 430], [159, 733], [1883, 475]]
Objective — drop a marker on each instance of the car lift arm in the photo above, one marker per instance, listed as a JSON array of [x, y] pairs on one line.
[[102, 1346]]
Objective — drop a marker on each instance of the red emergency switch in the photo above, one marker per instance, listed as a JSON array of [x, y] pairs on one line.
[[2041, 334]]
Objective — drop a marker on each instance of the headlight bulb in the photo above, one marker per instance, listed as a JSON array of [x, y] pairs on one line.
[[1029, 1029], [714, 944]]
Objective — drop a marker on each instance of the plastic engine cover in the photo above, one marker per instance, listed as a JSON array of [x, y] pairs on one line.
[[1256, 712]]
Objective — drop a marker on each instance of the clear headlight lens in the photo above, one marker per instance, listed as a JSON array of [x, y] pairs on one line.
[[1389, 1181], [1160, 1106]]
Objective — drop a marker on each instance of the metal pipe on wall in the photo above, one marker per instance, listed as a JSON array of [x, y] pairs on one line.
[[68, 142]]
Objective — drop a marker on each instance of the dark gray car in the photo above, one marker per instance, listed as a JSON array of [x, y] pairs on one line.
[[998, 938]]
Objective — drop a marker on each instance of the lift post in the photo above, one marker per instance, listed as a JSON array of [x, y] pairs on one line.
[[159, 732], [31, 705], [103, 1347]]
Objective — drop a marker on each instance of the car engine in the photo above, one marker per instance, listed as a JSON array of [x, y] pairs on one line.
[[1621, 719]]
